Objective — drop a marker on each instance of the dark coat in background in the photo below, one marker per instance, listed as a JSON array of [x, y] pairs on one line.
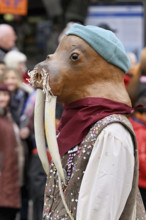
[[9, 169], [17, 104]]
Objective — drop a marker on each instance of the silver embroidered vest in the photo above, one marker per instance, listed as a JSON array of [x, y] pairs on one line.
[[74, 163]]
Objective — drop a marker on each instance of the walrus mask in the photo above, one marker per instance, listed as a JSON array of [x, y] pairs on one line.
[[89, 62]]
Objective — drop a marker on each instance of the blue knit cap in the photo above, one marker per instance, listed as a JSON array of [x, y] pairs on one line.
[[104, 42]]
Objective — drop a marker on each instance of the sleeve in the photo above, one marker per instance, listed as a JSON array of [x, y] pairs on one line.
[[107, 180]]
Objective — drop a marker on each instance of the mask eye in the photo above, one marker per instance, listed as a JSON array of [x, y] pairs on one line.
[[74, 56]]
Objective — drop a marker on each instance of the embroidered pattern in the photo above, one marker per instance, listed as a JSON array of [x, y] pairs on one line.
[[74, 164]]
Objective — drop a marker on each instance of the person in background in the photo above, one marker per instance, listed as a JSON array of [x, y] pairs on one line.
[[7, 39], [138, 121], [63, 14], [11, 78], [36, 174], [16, 59], [19, 96], [74, 11], [131, 72], [137, 85], [133, 61], [11, 160]]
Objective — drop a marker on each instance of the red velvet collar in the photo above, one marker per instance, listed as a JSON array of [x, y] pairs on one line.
[[78, 117]]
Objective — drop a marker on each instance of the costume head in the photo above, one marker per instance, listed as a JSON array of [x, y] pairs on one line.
[[104, 42], [89, 62]]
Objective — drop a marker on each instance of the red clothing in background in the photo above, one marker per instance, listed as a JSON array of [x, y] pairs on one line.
[[25, 78], [126, 79], [9, 170], [139, 127]]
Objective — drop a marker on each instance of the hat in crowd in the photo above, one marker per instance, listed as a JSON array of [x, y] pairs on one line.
[[107, 27], [13, 58], [104, 42]]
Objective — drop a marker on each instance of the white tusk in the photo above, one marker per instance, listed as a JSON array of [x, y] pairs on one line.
[[50, 130], [39, 129]]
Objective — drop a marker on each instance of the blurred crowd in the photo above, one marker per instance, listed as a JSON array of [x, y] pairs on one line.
[[135, 81], [22, 178]]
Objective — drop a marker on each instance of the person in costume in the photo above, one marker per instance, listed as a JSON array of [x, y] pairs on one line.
[[94, 169]]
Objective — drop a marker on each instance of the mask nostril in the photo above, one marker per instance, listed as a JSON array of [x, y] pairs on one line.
[[38, 77], [35, 78]]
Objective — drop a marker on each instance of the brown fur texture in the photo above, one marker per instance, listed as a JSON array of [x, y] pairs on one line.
[[76, 71]]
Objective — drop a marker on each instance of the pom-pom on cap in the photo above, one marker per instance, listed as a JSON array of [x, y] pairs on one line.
[[104, 42]]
